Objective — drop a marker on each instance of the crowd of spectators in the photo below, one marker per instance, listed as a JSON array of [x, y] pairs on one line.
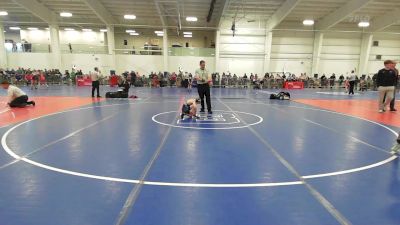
[[22, 76]]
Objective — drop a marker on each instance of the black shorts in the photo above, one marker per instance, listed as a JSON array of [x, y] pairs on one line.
[[185, 109]]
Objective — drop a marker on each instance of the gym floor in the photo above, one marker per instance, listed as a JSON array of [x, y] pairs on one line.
[[322, 158]]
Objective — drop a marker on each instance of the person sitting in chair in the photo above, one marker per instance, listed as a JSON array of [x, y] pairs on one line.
[[16, 97], [124, 85], [123, 91]]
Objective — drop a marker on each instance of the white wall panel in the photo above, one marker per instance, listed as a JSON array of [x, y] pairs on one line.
[[241, 66], [30, 60], [292, 66], [337, 66], [190, 63], [141, 63]]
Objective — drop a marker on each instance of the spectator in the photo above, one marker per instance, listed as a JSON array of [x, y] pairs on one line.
[[332, 80]]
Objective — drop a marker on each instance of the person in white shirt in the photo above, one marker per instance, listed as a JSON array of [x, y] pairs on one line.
[[95, 82], [16, 97], [352, 82]]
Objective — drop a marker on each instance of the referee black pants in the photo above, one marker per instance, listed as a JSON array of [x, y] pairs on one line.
[[96, 85], [352, 84], [204, 91], [20, 102]]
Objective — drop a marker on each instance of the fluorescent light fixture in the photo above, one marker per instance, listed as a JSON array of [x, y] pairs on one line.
[[130, 31], [187, 36], [134, 34], [187, 33], [130, 17], [69, 29], [308, 22], [33, 28], [160, 35], [363, 24], [3, 13], [159, 32], [87, 30], [47, 28], [103, 30], [15, 28], [66, 14], [191, 19]]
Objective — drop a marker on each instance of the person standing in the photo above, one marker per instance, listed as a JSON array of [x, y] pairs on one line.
[[352, 82], [203, 87], [386, 81], [95, 82], [392, 103]]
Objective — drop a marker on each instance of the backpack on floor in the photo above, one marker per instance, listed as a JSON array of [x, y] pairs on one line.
[[280, 96], [118, 94]]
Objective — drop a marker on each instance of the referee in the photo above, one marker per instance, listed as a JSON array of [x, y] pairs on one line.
[[95, 82], [203, 87]]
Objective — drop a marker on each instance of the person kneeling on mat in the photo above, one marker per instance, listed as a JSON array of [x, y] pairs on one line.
[[190, 108], [16, 97]]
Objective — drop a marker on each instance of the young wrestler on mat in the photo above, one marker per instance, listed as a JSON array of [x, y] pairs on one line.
[[16, 97], [190, 108]]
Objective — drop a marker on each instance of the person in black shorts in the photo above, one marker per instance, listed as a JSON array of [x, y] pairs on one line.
[[16, 97]]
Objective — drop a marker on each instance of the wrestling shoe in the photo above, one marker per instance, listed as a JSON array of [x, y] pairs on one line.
[[395, 149]]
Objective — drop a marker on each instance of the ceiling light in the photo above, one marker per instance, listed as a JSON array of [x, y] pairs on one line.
[[65, 14], [33, 28], [187, 36], [130, 17], [103, 30], [191, 19], [363, 24], [47, 28], [69, 29], [187, 33], [160, 35], [15, 28], [87, 30], [130, 31], [134, 34], [308, 22], [3, 13], [159, 32]]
